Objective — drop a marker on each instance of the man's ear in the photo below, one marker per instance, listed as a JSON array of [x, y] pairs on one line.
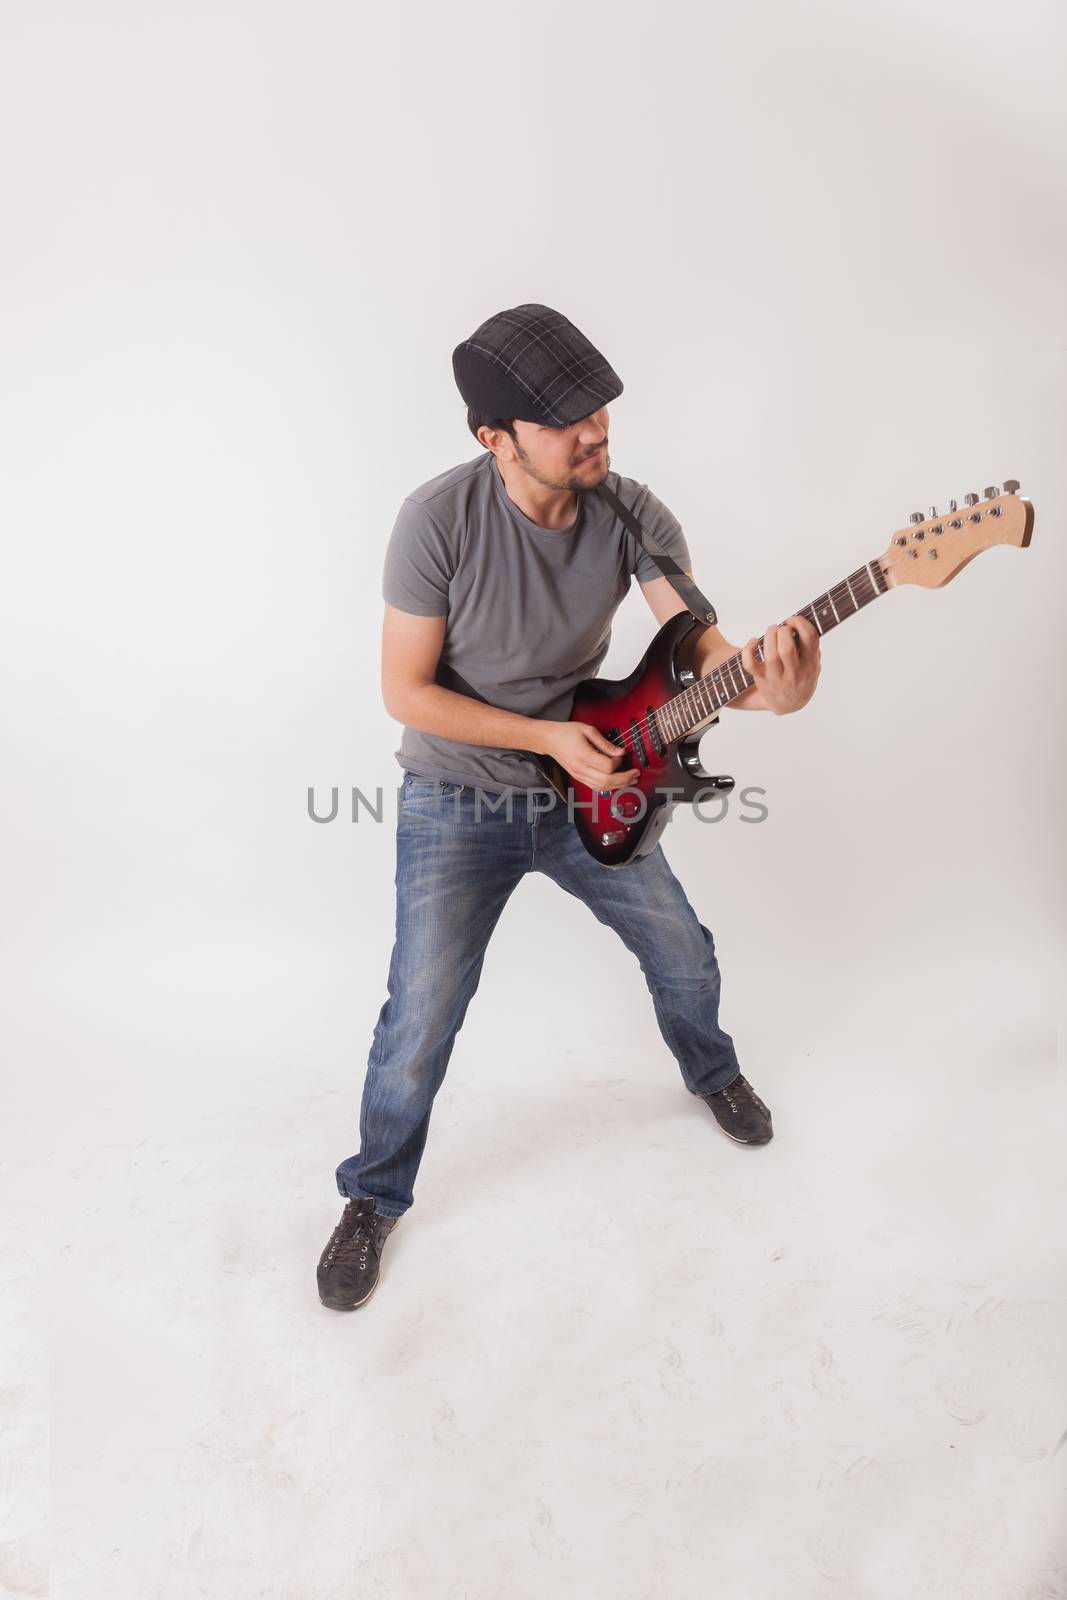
[[492, 438]]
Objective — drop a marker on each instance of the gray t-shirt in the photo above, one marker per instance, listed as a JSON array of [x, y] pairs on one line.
[[529, 608]]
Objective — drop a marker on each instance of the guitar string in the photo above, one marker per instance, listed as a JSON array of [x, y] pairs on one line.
[[689, 697]]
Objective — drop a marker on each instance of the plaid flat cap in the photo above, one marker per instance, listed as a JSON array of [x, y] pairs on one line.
[[531, 363]]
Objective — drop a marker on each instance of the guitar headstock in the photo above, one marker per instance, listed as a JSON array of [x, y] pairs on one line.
[[932, 549]]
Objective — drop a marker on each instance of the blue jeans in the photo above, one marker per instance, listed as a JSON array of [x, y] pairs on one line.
[[455, 871]]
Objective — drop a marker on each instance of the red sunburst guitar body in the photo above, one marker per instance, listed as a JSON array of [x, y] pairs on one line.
[[617, 826]]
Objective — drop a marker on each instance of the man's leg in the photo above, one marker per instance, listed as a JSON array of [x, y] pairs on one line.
[[453, 878], [649, 910]]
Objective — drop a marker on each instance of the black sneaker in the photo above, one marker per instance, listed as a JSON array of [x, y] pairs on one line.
[[348, 1267], [741, 1113]]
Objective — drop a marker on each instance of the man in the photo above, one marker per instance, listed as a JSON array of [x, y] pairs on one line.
[[509, 570]]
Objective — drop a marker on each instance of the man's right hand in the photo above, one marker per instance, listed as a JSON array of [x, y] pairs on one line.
[[587, 755]]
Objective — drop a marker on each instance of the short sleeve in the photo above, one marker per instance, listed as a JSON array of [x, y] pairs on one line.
[[418, 563], [663, 526]]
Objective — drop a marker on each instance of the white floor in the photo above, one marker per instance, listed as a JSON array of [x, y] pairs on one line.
[[611, 1353]]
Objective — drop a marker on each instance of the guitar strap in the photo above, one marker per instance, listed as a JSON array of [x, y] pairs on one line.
[[459, 683], [697, 603]]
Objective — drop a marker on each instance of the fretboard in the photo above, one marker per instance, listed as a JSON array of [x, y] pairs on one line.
[[707, 696]]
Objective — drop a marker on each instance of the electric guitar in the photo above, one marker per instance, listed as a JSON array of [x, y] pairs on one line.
[[657, 715]]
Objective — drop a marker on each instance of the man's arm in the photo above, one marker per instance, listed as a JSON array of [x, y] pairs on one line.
[[411, 647], [785, 678]]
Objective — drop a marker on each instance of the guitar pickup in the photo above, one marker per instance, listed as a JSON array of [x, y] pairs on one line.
[[638, 743]]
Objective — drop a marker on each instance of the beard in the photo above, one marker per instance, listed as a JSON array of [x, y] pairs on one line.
[[583, 479]]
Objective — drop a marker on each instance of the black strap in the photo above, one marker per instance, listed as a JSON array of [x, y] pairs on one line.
[[698, 604], [444, 671]]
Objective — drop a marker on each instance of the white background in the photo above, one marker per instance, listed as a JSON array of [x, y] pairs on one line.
[[611, 1353]]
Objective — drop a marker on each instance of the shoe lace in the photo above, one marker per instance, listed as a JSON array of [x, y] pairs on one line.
[[351, 1239], [741, 1090]]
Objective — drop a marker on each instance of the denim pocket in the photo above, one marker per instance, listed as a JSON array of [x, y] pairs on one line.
[[429, 788]]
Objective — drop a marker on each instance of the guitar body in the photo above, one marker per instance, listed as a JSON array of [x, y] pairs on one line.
[[616, 826]]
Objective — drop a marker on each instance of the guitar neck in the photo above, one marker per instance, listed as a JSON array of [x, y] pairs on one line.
[[704, 698]]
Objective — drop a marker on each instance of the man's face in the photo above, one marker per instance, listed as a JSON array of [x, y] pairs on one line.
[[575, 457]]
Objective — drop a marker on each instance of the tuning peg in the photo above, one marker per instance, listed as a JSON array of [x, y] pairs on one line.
[[970, 499], [952, 505], [916, 516], [1011, 485], [933, 513], [992, 492]]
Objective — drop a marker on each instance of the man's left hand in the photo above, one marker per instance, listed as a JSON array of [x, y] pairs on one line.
[[789, 671]]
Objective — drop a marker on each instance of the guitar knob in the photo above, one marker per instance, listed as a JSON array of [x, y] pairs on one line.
[[970, 499], [1011, 485], [992, 492]]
